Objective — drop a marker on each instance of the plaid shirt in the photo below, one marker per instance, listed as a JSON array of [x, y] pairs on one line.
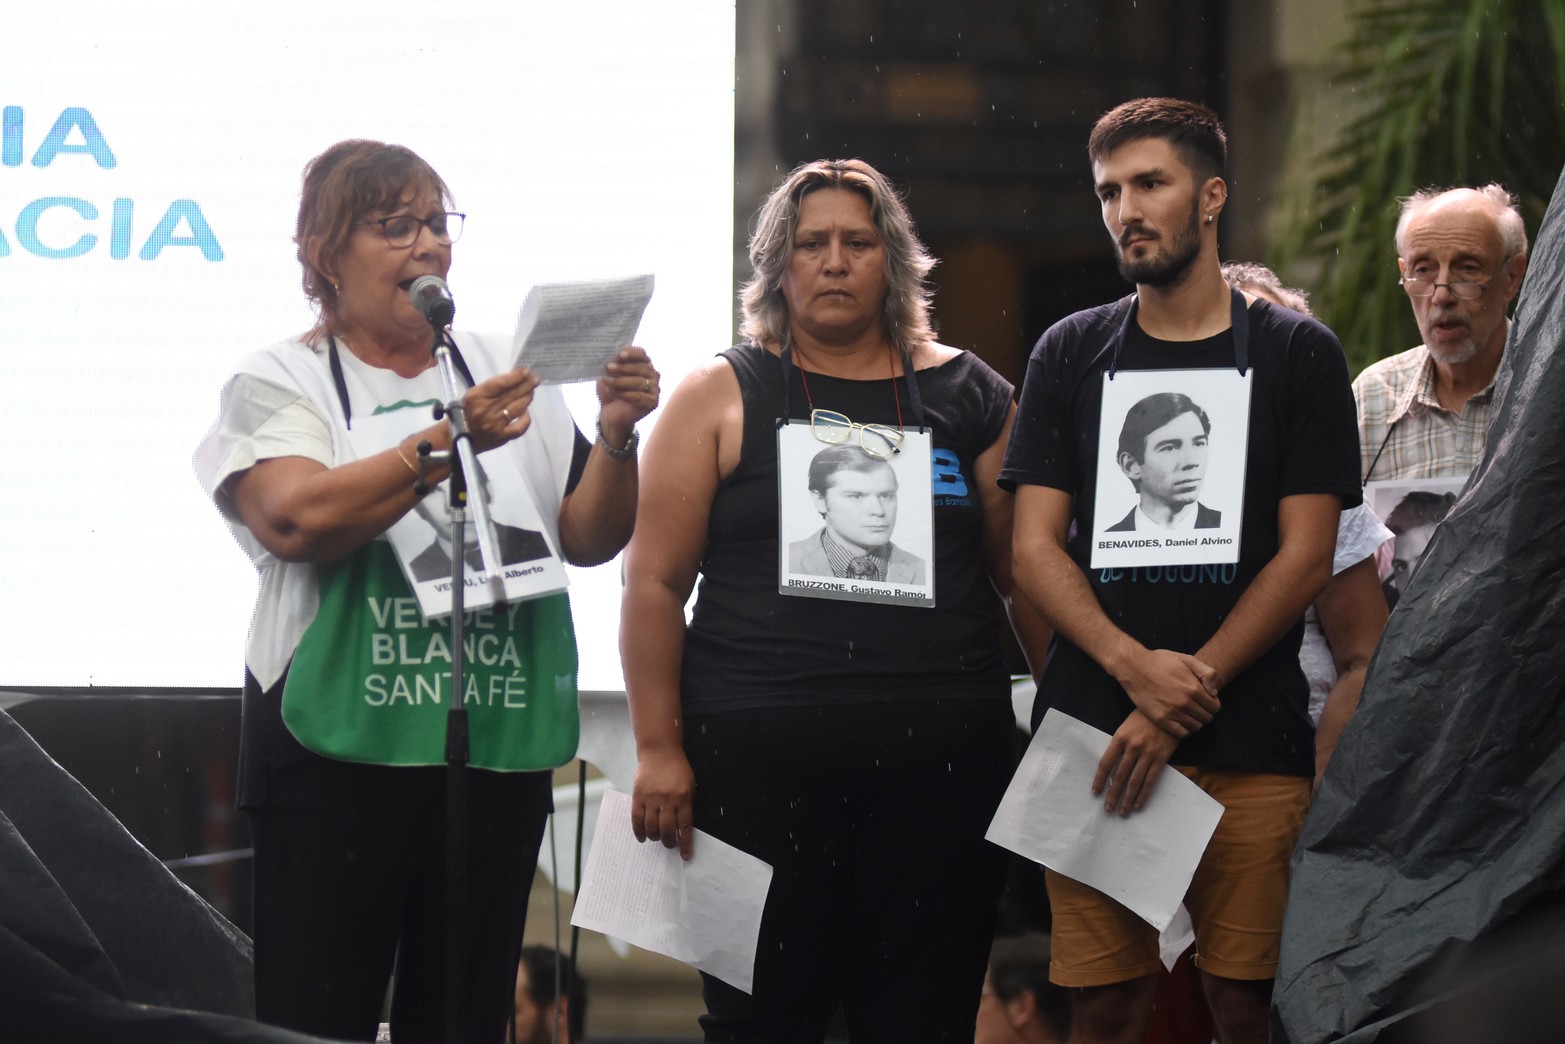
[[1402, 423]]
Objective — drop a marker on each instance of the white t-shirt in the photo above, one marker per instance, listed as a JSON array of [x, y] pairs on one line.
[[282, 402], [1359, 533]]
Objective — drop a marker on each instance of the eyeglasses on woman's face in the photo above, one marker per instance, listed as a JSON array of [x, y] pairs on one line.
[[401, 230]]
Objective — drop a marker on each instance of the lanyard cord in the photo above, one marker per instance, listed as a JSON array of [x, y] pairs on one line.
[[915, 400], [1239, 323], [341, 382], [891, 370], [1382, 449]]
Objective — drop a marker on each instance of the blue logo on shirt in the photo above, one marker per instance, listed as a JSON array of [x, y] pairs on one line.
[[1172, 574], [947, 482]]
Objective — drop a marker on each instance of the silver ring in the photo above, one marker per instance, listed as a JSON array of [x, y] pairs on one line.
[[506, 414], [646, 385]]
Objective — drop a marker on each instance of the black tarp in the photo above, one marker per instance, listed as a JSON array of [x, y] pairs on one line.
[[98, 941], [1428, 891]]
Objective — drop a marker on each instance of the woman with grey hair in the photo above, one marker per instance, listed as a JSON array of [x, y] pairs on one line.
[[860, 748]]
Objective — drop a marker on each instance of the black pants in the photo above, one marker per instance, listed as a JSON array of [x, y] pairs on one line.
[[356, 882], [883, 889]]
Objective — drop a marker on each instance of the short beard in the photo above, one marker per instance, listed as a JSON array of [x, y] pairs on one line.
[[1165, 268], [1466, 352]]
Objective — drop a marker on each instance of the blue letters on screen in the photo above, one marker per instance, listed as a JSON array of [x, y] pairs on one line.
[[75, 133]]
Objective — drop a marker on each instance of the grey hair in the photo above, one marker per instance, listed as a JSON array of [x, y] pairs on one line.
[[1256, 276], [1507, 215], [764, 312]]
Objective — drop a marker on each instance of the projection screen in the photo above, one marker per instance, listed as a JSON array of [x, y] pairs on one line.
[[149, 175]]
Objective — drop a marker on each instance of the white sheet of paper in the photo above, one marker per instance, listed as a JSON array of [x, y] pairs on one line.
[[568, 331], [1178, 937], [557, 855], [1050, 815], [705, 912], [559, 842]]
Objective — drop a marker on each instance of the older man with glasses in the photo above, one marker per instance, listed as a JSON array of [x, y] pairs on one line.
[[1423, 412]]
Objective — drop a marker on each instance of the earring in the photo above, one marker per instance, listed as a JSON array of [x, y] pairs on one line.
[[1209, 219]]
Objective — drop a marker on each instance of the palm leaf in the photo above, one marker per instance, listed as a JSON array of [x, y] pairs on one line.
[[1436, 92]]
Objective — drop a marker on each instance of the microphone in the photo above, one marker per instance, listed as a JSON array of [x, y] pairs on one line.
[[432, 297]]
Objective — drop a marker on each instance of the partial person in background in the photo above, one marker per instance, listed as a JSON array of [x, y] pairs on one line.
[[860, 748], [546, 1014], [1423, 413], [1259, 281], [311, 461], [1342, 626], [1020, 1004]]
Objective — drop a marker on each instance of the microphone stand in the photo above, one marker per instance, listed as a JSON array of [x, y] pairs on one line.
[[464, 466]]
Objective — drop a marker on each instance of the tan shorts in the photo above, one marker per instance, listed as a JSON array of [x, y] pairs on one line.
[[1235, 900]]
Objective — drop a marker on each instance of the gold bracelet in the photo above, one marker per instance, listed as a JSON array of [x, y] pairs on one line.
[[405, 460]]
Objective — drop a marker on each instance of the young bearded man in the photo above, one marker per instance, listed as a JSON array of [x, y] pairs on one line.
[[1185, 665]]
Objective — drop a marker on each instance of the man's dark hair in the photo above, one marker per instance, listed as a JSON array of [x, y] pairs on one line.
[[1192, 129], [1419, 508], [847, 457], [1021, 962], [1152, 413], [542, 987]]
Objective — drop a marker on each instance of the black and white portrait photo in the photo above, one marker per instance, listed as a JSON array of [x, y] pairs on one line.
[[854, 524], [1411, 509], [421, 539], [1163, 453], [513, 543], [856, 496], [1171, 459]]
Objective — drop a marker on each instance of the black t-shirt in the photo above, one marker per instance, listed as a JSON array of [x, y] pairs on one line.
[[1303, 438], [749, 646]]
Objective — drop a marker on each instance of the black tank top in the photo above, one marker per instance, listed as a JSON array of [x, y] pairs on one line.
[[749, 646]]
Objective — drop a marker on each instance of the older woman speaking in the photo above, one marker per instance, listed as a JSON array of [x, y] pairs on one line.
[[312, 460], [850, 726]]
